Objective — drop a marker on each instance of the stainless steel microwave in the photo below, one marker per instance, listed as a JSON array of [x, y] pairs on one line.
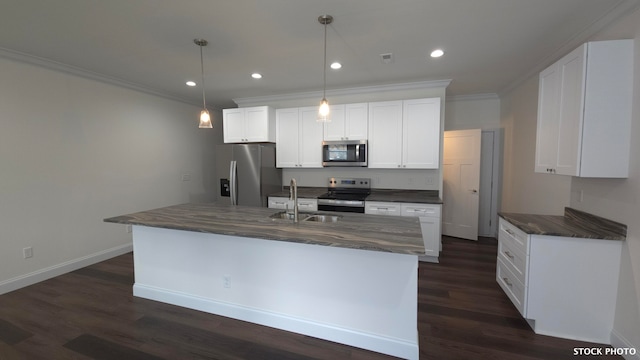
[[344, 153]]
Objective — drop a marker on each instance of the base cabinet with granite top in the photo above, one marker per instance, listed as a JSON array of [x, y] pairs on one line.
[[353, 282], [429, 215], [563, 286]]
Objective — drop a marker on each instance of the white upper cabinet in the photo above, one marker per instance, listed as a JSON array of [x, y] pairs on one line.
[[348, 122], [405, 134], [298, 138], [287, 133], [385, 134], [584, 112], [421, 134], [250, 124]]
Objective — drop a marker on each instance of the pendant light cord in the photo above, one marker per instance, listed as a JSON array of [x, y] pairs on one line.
[[324, 86], [204, 101]]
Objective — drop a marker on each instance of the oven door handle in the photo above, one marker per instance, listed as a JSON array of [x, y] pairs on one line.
[[353, 203]]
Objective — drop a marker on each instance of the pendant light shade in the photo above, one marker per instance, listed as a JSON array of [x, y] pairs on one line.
[[205, 117], [323, 110]]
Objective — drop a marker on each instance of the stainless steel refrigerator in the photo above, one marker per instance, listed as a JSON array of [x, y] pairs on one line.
[[247, 174]]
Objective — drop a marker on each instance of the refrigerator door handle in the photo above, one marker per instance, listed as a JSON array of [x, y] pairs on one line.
[[233, 182]]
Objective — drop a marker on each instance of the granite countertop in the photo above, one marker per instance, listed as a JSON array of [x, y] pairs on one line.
[[303, 192], [408, 196], [574, 223], [355, 231], [388, 195]]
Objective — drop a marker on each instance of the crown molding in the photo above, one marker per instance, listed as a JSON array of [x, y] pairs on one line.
[[471, 97], [87, 74], [432, 84]]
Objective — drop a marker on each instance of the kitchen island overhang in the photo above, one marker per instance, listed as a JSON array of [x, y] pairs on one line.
[[352, 282]]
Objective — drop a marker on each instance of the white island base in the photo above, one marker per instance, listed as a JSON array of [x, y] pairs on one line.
[[362, 298]]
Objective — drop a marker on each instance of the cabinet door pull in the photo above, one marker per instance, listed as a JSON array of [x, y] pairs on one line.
[[508, 254], [509, 231], [506, 280]]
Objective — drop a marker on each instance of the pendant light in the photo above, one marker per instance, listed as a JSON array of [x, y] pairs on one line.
[[323, 110], [205, 118]]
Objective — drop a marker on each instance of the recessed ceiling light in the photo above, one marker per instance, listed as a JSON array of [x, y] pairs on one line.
[[191, 83], [437, 53], [336, 65], [256, 76]]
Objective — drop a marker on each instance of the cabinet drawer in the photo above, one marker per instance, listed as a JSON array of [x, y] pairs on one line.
[[307, 204], [382, 208], [508, 232], [514, 289], [516, 260], [420, 210], [280, 203]]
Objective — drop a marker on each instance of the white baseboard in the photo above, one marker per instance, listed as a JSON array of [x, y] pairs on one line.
[[620, 342], [385, 345], [63, 268]]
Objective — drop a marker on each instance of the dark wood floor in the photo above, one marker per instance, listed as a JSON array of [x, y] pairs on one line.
[[91, 314]]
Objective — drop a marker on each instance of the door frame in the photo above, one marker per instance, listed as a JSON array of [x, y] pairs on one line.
[[494, 187]]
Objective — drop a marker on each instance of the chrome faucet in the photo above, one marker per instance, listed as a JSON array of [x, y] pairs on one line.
[[293, 195]]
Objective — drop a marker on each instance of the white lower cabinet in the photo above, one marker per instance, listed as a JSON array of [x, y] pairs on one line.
[[307, 204], [382, 208], [429, 214], [304, 204], [563, 286], [276, 202]]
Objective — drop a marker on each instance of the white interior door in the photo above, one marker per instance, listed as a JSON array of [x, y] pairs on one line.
[[461, 183]]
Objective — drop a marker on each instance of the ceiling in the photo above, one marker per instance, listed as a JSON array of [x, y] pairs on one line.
[[489, 44]]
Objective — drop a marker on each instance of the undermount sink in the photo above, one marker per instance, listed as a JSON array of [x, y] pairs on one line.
[[323, 218], [283, 215]]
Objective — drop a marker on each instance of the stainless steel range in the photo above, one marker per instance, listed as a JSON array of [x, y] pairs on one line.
[[345, 194]]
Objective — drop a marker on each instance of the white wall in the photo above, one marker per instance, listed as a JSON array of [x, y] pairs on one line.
[[523, 190], [619, 199], [472, 112], [74, 151], [615, 199]]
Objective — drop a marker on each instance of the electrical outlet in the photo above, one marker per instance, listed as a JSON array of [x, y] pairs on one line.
[[27, 252], [226, 281], [186, 177]]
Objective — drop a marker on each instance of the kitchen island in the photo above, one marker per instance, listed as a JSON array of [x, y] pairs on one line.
[[353, 281]]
